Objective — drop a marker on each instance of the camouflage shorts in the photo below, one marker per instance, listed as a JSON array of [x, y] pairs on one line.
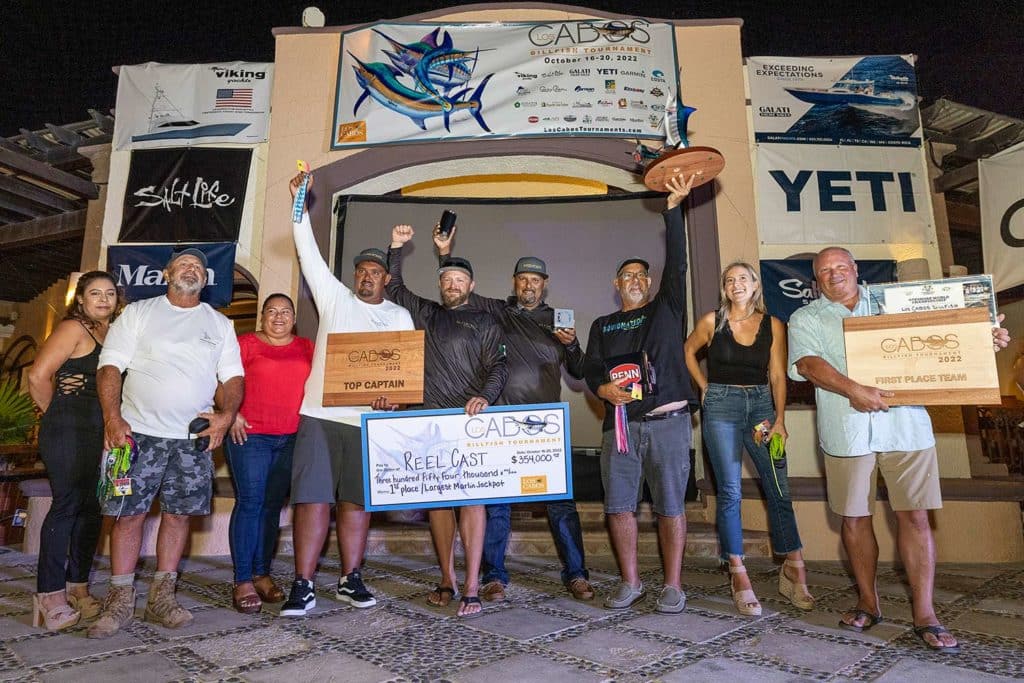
[[181, 475]]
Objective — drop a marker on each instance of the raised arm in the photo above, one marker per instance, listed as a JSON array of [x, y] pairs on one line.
[[443, 244], [418, 307], [673, 277], [314, 268]]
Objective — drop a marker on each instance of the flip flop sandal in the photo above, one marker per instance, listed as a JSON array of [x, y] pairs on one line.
[[249, 603], [268, 590], [858, 614], [936, 630], [441, 596], [468, 600]]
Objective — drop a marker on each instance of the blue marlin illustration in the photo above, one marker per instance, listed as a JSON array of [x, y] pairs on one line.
[[379, 81], [432, 64]]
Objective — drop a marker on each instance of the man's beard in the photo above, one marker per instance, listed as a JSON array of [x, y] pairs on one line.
[[454, 299], [186, 287]]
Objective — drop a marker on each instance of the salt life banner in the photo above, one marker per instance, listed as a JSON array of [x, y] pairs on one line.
[[1001, 179], [842, 194], [835, 100], [789, 284], [174, 105], [139, 270], [185, 195], [444, 458], [411, 83]]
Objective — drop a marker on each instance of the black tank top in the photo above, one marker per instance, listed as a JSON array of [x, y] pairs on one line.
[[730, 362], [77, 376]]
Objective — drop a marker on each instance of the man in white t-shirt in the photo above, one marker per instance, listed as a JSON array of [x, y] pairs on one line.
[[327, 465], [173, 350]]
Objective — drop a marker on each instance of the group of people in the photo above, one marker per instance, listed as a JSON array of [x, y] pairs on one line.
[[135, 381]]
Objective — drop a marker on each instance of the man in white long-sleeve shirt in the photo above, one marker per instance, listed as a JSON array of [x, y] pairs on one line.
[[327, 465]]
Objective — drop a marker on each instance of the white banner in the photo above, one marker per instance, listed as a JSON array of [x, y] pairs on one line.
[[1001, 179], [410, 83], [175, 105], [443, 458], [827, 194]]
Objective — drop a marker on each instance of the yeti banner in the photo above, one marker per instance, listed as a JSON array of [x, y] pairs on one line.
[[185, 195], [839, 156], [411, 82]]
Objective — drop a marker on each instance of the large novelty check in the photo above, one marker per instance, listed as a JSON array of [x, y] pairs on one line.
[[445, 458]]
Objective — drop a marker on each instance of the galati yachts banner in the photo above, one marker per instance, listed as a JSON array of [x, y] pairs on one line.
[[411, 83], [839, 156], [173, 105]]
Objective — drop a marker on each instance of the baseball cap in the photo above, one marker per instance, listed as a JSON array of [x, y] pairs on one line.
[[456, 263], [531, 264], [634, 259], [372, 254], [188, 251]]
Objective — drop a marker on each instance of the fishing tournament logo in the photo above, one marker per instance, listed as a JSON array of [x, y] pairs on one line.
[[422, 80]]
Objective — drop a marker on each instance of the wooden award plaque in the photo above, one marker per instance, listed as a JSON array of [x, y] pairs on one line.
[[362, 366], [687, 161], [927, 358]]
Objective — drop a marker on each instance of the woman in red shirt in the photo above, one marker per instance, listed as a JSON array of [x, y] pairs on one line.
[[260, 448]]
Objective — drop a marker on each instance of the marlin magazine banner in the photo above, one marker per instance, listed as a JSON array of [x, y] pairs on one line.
[[411, 83], [187, 194], [172, 105], [1001, 189], [789, 284], [139, 270], [839, 156]]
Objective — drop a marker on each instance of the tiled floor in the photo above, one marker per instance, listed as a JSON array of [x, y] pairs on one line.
[[538, 634]]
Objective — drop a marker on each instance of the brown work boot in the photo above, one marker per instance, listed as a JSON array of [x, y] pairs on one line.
[[581, 589], [118, 611], [492, 591], [162, 607]]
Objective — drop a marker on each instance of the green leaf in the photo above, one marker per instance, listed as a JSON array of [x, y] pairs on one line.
[[17, 413]]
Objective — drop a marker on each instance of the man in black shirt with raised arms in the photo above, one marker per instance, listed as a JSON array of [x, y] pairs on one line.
[[464, 366], [536, 354], [656, 446]]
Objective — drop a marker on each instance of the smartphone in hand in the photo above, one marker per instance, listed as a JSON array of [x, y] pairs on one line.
[[447, 222]]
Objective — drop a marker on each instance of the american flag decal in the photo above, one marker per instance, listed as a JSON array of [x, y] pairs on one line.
[[233, 98]]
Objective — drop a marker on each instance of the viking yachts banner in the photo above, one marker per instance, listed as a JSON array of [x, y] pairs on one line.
[[139, 270], [1001, 179], [185, 195], [411, 83], [171, 105], [839, 150], [789, 283], [445, 458]]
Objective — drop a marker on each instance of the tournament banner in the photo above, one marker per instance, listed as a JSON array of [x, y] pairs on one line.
[[445, 458], [838, 194], [173, 105], [1001, 180], [138, 270], [789, 284], [412, 83], [835, 100], [185, 195]]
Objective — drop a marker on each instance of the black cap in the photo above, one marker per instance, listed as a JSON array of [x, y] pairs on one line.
[[456, 263], [188, 251], [635, 259], [531, 264], [372, 254]]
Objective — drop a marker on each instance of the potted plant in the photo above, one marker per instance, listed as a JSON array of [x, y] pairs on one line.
[[17, 414]]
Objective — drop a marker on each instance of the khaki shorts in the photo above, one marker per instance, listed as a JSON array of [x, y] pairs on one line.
[[911, 477]]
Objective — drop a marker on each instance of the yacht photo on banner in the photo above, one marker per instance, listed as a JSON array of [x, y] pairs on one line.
[[185, 195]]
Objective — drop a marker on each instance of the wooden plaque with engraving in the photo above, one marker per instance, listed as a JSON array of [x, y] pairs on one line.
[[362, 366], [928, 358]]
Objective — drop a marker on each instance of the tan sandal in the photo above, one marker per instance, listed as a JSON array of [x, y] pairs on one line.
[[796, 593], [87, 605], [55, 618], [246, 603], [745, 600], [267, 589]]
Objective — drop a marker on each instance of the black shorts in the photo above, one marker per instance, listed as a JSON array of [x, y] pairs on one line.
[[327, 465]]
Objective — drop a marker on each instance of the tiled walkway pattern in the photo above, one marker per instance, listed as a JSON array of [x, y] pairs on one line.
[[538, 634]]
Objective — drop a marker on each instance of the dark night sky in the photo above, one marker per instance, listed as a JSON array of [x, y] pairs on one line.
[[55, 55]]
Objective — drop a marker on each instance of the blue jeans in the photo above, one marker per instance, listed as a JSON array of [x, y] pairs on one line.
[[261, 469], [564, 520], [730, 413]]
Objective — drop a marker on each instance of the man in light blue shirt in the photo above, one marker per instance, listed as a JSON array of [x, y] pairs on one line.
[[860, 434]]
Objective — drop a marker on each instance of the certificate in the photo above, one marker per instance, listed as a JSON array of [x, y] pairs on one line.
[[445, 458], [972, 291], [929, 358]]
